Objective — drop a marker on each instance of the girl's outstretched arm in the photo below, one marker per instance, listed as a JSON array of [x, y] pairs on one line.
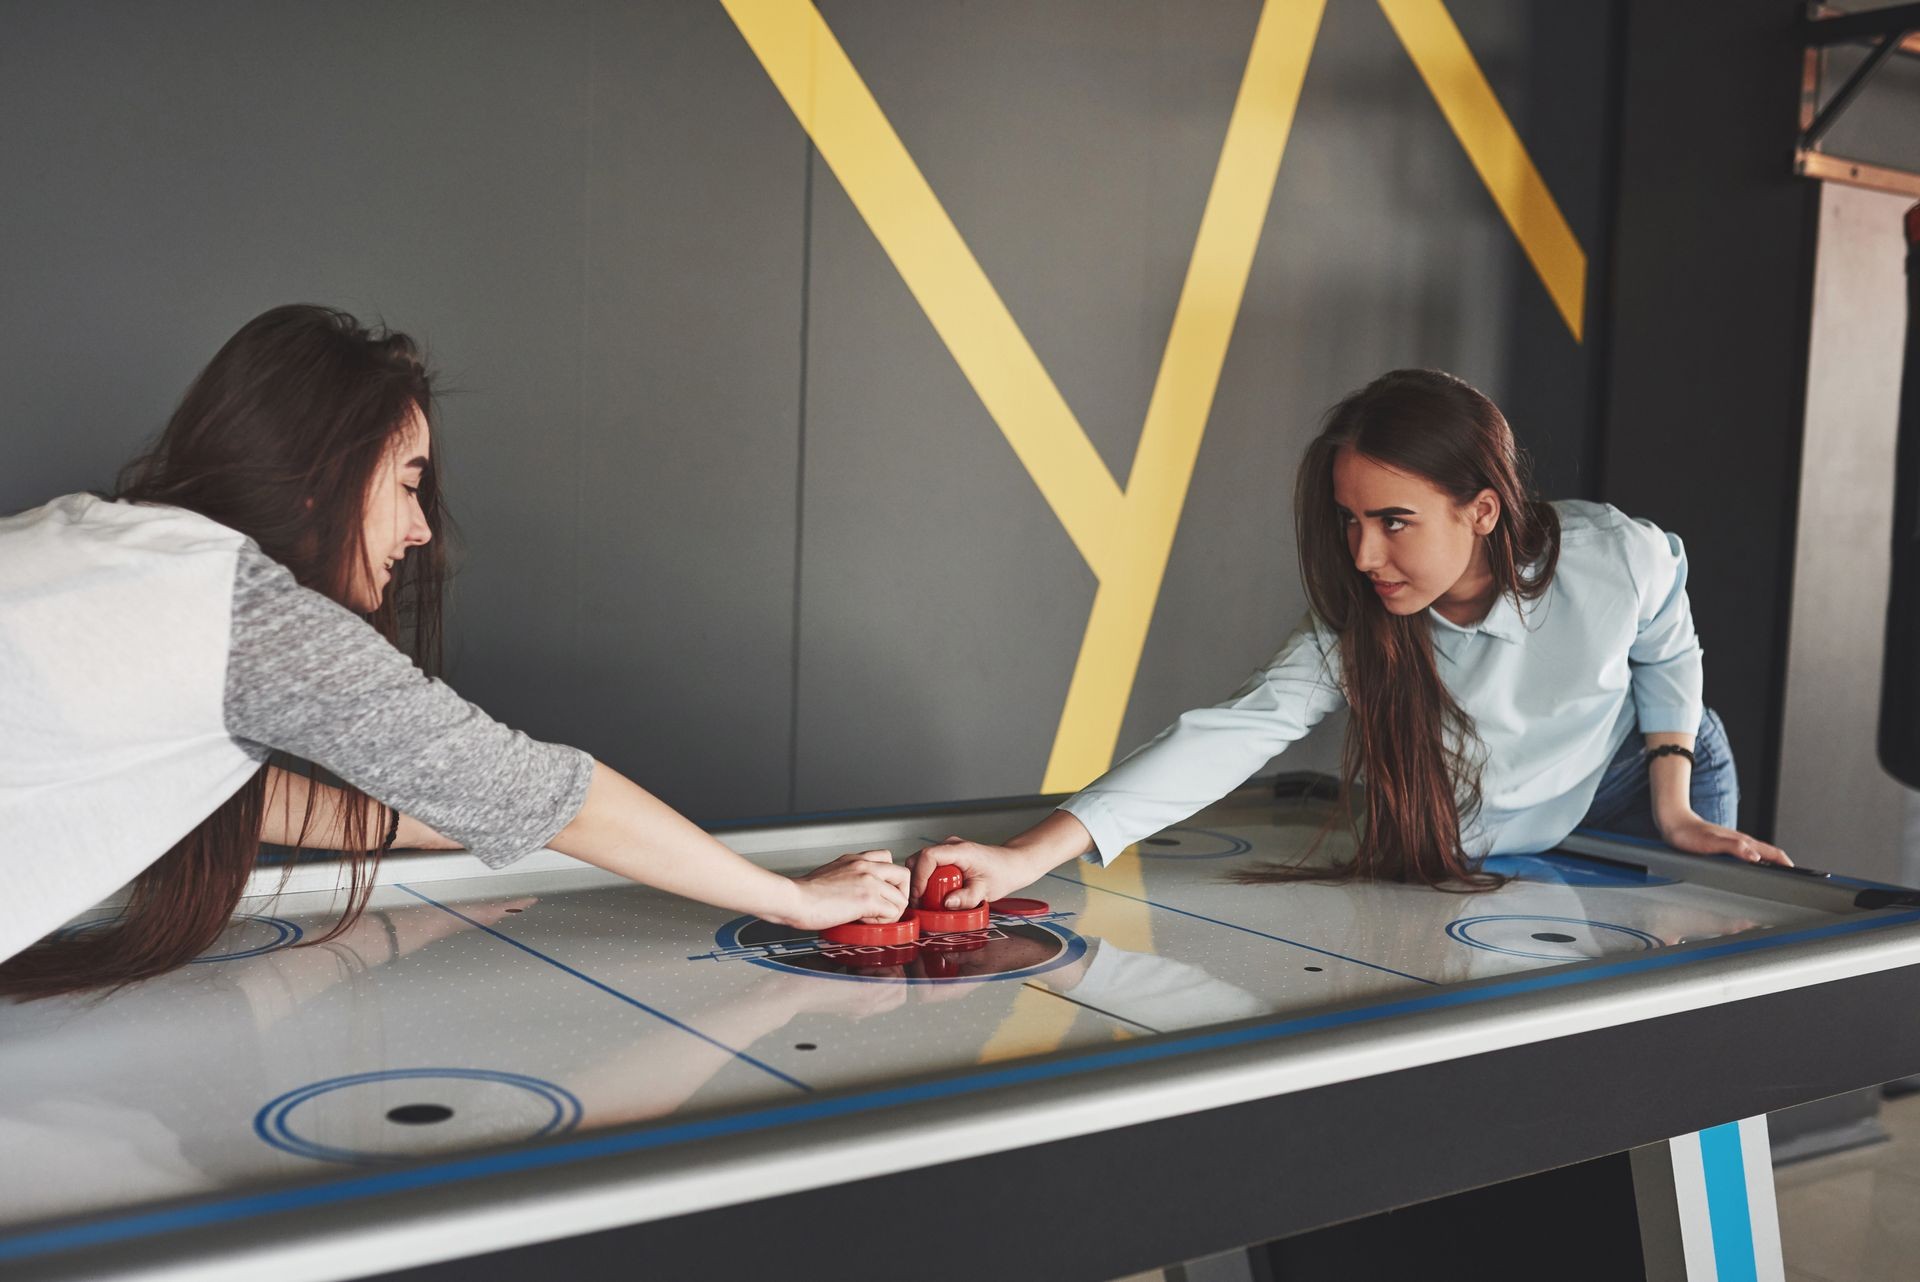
[[994, 872], [627, 830], [310, 678]]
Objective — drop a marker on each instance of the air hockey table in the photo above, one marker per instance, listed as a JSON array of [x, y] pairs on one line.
[[547, 1070]]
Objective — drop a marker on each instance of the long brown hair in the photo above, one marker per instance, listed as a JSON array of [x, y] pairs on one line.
[[1410, 748], [278, 438]]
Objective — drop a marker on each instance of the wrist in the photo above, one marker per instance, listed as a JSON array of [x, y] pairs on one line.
[[1668, 818], [1036, 862], [1053, 841], [1669, 788], [783, 899]]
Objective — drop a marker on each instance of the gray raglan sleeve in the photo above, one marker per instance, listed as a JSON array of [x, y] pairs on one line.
[[308, 677]]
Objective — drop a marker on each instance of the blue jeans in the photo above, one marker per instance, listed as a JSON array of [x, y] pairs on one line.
[[1624, 803]]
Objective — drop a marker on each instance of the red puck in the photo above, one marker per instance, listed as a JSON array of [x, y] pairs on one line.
[[883, 934], [1020, 907], [941, 882], [939, 921]]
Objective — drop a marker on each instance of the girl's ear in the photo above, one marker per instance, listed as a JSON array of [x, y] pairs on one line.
[[1485, 511]]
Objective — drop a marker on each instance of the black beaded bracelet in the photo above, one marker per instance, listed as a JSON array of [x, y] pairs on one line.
[[393, 830], [1670, 750]]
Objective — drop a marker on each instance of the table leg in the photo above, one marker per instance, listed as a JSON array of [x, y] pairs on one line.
[[1707, 1211]]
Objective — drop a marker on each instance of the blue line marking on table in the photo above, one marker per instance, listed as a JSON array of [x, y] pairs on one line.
[[610, 990], [224, 1210], [1215, 921]]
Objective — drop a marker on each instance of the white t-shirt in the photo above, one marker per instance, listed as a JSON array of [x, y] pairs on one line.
[[150, 658]]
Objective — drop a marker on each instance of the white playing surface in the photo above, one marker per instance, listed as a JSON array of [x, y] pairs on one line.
[[475, 1012]]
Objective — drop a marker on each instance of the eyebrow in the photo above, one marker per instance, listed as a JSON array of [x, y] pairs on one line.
[[418, 460], [1385, 511]]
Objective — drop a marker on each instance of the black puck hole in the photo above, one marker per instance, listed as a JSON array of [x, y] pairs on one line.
[[419, 1114], [1553, 937]]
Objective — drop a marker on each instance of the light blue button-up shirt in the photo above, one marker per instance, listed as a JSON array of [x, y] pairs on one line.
[[1553, 689]]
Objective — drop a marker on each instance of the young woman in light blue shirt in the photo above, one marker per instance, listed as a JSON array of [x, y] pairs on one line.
[[1513, 669]]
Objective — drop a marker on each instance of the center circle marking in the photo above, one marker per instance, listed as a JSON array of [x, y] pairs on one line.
[[1009, 948]]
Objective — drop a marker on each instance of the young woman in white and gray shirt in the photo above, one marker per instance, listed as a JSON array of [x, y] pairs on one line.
[[266, 580]]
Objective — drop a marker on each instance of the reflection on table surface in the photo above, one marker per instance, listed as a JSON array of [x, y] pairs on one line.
[[467, 1013]]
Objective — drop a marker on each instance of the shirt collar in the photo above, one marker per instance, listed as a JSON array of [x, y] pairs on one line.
[[1503, 621]]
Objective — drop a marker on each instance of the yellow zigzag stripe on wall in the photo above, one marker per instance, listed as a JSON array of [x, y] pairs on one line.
[[1454, 78], [1126, 536], [1182, 398], [837, 109]]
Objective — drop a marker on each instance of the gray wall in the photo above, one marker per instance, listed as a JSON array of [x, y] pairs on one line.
[[1705, 330], [733, 520], [1834, 796]]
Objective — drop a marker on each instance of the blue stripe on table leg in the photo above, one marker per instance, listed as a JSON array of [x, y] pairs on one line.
[[1727, 1211]]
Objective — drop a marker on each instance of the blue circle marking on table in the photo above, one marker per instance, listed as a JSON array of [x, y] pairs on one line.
[[366, 1188], [275, 1122], [285, 935], [1191, 843], [1472, 932]]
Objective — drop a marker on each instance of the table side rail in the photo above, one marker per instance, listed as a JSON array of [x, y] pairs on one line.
[[494, 1201]]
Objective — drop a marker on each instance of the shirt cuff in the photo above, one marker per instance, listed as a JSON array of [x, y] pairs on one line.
[[568, 800], [1107, 839], [1669, 718]]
